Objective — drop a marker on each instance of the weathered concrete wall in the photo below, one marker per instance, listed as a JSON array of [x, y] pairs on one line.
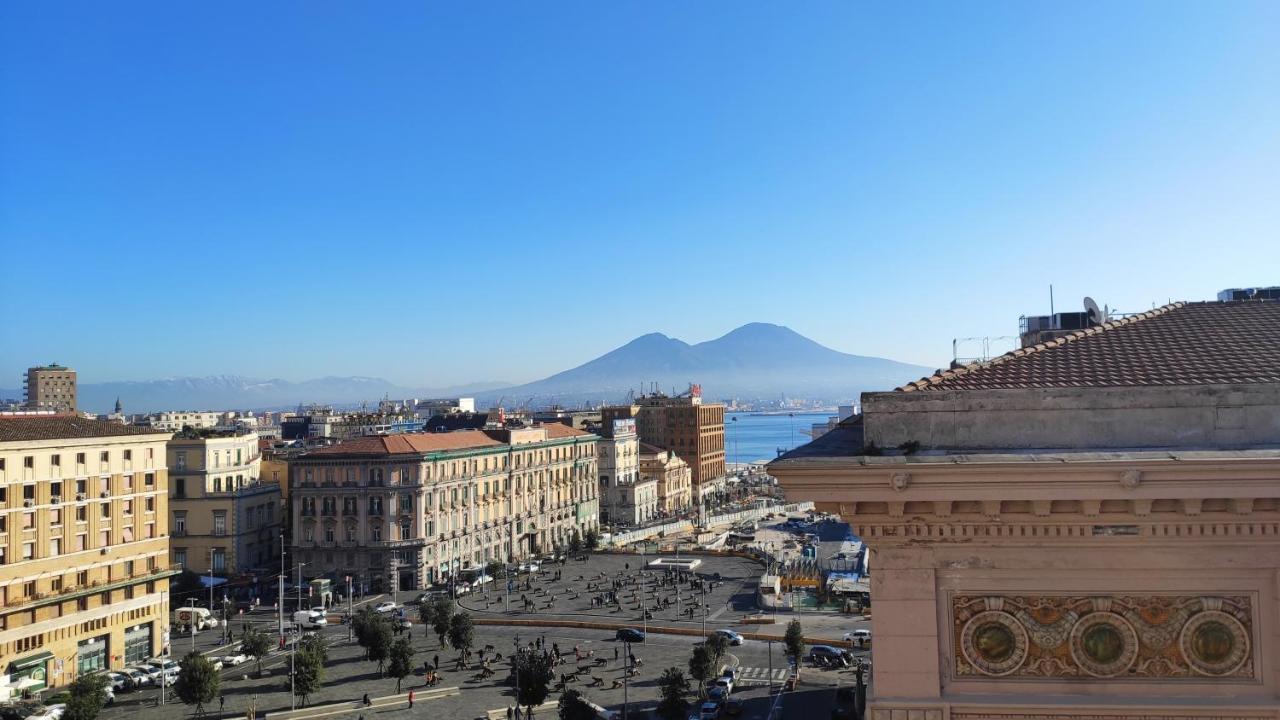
[[1219, 416]]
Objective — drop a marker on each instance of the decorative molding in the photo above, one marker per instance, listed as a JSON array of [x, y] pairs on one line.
[[900, 481], [1130, 479], [1109, 637]]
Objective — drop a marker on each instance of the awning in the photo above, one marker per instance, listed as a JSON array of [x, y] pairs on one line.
[[39, 658]]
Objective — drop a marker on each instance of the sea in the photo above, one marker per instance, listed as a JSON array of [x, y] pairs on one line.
[[757, 437]]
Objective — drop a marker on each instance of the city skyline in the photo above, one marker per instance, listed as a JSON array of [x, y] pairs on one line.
[[409, 182]]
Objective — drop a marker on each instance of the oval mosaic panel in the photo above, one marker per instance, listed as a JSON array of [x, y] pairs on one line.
[[1104, 644], [1214, 643], [994, 642]]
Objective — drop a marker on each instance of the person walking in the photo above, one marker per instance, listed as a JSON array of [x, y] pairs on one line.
[[435, 662], [222, 702], [366, 702], [410, 699]]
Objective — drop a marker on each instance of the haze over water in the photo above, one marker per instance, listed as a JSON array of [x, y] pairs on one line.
[[753, 437]]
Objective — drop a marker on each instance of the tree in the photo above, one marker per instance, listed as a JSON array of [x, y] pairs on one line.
[[494, 570], [574, 706], [379, 641], [308, 667], [462, 633], [533, 676], [674, 687], [88, 696], [401, 661], [717, 646], [592, 539], [441, 617], [702, 667], [256, 644], [794, 640], [197, 681], [426, 615]]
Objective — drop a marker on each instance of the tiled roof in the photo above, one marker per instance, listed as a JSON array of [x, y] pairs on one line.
[[560, 430], [1179, 344], [409, 443], [18, 428]]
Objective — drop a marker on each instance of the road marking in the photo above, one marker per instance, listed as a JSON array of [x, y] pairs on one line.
[[759, 676]]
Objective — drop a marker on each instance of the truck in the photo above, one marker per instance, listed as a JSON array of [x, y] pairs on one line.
[[194, 617], [310, 619]]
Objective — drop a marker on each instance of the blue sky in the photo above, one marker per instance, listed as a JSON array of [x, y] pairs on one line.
[[440, 193]]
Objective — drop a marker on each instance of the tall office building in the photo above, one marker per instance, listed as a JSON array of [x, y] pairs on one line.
[[84, 552], [686, 426], [51, 387]]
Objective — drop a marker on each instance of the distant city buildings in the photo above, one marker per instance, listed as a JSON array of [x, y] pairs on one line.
[[84, 548], [671, 475], [226, 520], [415, 509], [50, 387]]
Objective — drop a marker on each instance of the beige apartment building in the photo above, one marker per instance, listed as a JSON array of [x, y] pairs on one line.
[[626, 496], [226, 518], [84, 554], [671, 475], [1087, 527], [420, 507], [51, 387]]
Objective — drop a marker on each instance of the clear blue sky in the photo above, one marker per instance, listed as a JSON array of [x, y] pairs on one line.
[[439, 193]]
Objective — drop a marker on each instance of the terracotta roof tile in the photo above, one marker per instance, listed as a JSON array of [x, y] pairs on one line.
[[17, 428], [560, 430], [1179, 344], [410, 443]]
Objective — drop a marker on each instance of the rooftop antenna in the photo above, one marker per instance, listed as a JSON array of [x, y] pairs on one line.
[[1050, 298], [1096, 316]]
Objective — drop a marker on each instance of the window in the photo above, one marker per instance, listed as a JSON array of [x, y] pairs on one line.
[[82, 514], [219, 560], [28, 551], [180, 557], [328, 534], [79, 458], [128, 455], [128, 507], [28, 462], [309, 533], [29, 492], [82, 542], [104, 538], [180, 487], [56, 460], [55, 547], [82, 577], [220, 522], [375, 533], [151, 504], [351, 533], [180, 461], [29, 588], [106, 509], [180, 523], [149, 479], [104, 456], [55, 489], [82, 487]]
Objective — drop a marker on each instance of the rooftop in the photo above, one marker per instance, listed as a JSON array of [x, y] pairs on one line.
[[19, 428], [1203, 343], [418, 443]]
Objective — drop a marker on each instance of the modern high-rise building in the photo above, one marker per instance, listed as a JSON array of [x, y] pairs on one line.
[[226, 518], [50, 387], [686, 426], [416, 508], [84, 551]]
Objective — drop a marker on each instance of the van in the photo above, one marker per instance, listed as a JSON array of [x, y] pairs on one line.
[[200, 618], [310, 619]]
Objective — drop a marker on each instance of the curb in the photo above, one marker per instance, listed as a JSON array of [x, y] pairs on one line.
[[355, 705], [659, 629]]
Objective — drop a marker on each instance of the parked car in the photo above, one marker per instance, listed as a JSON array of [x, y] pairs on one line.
[[119, 682], [709, 711], [856, 635], [385, 606], [137, 677], [234, 659], [733, 708], [630, 635], [529, 567], [733, 637], [718, 694], [828, 653], [50, 712], [404, 623], [724, 681]]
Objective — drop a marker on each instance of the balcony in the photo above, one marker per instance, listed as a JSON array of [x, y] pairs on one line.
[[97, 586]]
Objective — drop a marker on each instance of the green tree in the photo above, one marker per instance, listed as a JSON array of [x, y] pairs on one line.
[[702, 667], [379, 639], [592, 539], [256, 644], [308, 667], [442, 617], [427, 615], [401, 661], [462, 633], [198, 682], [494, 570], [533, 676], [717, 646], [575, 542], [674, 688], [88, 695], [573, 706], [793, 640]]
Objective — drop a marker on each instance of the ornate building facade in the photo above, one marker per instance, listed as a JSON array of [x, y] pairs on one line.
[[1084, 528], [416, 508]]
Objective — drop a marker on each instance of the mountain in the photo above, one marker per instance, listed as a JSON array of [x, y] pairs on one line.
[[757, 360], [235, 392]]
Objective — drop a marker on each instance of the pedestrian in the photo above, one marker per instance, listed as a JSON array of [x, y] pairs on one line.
[[222, 702], [615, 654], [435, 661], [366, 700], [410, 699], [508, 712]]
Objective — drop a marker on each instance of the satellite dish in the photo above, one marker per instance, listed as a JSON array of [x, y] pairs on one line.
[[1096, 316]]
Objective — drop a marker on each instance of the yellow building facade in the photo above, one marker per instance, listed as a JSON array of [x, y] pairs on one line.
[[84, 556]]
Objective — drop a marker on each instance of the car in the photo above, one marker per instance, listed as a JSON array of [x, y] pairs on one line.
[[630, 635], [529, 567], [733, 708], [827, 653], [320, 609], [50, 712], [724, 681], [151, 670], [385, 606], [733, 637], [110, 692], [709, 711], [119, 682], [234, 659], [856, 635], [404, 623], [718, 694], [137, 677]]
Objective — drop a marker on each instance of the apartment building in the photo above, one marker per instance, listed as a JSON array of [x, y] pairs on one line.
[[686, 426], [416, 508], [173, 421], [51, 387], [226, 519], [84, 556], [626, 496], [671, 477]]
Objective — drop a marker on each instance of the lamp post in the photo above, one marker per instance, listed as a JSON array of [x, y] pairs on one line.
[[280, 604], [293, 697], [349, 618], [164, 603]]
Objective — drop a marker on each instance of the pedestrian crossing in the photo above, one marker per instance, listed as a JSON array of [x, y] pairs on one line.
[[759, 676]]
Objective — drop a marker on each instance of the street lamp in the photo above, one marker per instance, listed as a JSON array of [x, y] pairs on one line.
[[293, 696]]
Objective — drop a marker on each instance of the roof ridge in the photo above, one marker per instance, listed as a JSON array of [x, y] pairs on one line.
[[939, 377]]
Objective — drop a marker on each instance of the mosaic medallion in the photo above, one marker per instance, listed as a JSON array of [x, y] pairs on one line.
[[1103, 644], [994, 642], [1214, 643]]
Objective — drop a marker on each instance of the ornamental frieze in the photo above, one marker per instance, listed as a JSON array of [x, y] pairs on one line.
[[1103, 637]]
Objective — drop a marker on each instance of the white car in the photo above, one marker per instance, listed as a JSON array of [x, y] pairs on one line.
[[137, 677], [118, 681], [529, 567], [50, 712], [233, 660], [385, 606], [856, 635], [732, 637]]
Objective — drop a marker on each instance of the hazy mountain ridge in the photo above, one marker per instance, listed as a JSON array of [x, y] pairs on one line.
[[755, 361]]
